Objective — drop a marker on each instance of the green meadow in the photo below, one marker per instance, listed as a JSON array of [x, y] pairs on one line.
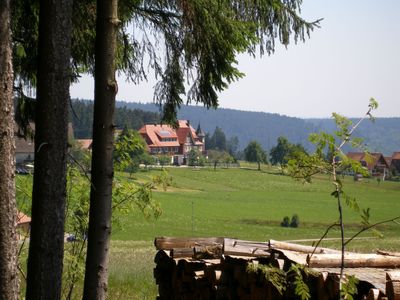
[[246, 204], [249, 204]]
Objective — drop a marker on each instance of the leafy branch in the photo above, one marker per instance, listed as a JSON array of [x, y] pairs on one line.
[[306, 166]]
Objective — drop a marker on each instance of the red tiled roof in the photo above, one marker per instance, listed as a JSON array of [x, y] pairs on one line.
[[22, 218], [84, 143], [396, 155], [184, 130], [155, 132], [371, 159]]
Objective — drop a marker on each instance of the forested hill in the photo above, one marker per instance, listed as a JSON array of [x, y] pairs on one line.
[[382, 136], [81, 116]]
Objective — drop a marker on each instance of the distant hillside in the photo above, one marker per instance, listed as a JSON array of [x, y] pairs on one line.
[[81, 116], [382, 136]]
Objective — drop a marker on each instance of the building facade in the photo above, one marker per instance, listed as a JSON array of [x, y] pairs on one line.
[[176, 142]]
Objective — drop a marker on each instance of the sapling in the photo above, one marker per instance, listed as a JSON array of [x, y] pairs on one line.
[[304, 166]]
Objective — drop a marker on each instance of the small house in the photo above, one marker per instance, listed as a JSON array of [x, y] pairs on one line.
[[374, 162], [395, 163]]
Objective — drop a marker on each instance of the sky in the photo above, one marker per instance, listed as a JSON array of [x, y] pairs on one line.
[[354, 56]]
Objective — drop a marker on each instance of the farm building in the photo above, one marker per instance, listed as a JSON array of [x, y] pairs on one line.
[[395, 163], [176, 142], [375, 162]]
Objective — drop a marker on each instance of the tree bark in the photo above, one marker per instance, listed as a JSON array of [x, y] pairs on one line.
[[96, 276], [9, 283], [45, 261]]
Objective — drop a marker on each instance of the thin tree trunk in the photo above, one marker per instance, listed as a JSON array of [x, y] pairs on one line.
[[45, 261], [96, 276], [9, 283]]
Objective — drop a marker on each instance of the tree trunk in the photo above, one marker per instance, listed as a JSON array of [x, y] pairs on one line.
[[9, 283], [46, 246], [96, 276]]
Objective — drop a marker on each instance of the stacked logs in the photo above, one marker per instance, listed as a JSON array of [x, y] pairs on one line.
[[218, 268]]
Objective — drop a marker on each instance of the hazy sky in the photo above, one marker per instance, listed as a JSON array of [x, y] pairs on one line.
[[355, 55]]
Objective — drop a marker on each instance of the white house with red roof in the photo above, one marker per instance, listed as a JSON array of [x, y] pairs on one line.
[[177, 142]]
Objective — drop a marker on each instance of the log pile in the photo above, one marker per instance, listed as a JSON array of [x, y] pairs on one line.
[[222, 268]]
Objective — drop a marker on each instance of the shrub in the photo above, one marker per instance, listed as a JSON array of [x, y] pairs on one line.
[[285, 222], [295, 221]]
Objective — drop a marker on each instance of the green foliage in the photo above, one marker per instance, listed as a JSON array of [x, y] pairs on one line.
[[281, 280], [198, 40], [307, 166], [275, 276], [163, 179], [193, 158], [232, 145], [294, 222], [301, 289], [81, 117], [219, 157], [349, 288], [284, 151], [164, 160], [217, 141], [76, 228], [255, 153], [23, 189], [129, 151], [285, 222]]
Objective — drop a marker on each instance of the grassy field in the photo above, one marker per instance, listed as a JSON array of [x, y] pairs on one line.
[[246, 204]]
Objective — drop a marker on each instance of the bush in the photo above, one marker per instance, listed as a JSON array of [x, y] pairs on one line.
[[285, 222], [295, 221]]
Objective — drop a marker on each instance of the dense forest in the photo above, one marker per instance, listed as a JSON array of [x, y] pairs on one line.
[[383, 135], [81, 116]]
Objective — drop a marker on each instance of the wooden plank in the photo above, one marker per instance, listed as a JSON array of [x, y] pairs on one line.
[[383, 252], [208, 251], [299, 248], [182, 252], [353, 260], [234, 247], [168, 243], [373, 294], [393, 285]]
